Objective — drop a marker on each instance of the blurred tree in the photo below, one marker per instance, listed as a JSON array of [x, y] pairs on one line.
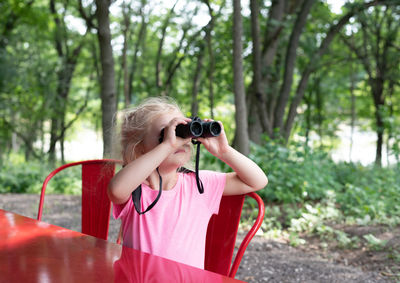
[[241, 141], [68, 45], [378, 33], [289, 69], [276, 101], [26, 68], [107, 80]]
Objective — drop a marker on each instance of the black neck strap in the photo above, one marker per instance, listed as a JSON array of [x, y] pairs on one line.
[[137, 194], [199, 182]]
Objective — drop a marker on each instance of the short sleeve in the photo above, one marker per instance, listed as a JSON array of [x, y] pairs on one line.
[[119, 210], [214, 184]]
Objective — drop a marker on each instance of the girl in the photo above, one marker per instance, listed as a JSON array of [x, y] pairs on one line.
[[176, 226]]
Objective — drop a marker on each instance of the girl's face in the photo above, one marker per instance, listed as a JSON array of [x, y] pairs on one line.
[[151, 139]]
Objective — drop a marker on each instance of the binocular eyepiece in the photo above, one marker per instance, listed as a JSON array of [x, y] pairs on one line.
[[195, 129]]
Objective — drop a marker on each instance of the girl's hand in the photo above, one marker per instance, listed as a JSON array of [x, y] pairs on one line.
[[170, 135], [217, 146]]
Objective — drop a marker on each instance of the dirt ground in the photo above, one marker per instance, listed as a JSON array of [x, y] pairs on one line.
[[264, 260]]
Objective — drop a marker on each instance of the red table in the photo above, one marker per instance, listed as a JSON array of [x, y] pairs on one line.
[[34, 251]]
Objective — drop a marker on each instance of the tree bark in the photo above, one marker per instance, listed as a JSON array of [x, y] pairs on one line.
[[107, 83], [353, 105], [271, 54], [290, 61], [319, 102], [390, 135], [374, 57], [140, 43], [211, 57], [301, 88], [263, 102], [68, 61], [241, 133], [159, 83], [211, 68], [257, 100], [196, 80], [126, 14]]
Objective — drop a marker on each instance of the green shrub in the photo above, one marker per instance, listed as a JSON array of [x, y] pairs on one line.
[[371, 191], [28, 177], [295, 174], [21, 178], [299, 177]]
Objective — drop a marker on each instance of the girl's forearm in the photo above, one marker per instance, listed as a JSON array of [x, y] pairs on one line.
[[246, 169], [134, 173]]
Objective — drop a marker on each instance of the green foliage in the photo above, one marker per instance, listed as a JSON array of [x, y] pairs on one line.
[[22, 177], [394, 255], [295, 174], [369, 192], [375, 243], [307, 192]]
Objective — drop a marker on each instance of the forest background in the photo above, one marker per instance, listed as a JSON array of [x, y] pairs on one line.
[[283, 76]]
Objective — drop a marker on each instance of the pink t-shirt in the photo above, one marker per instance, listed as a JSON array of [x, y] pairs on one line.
[[176, 227]]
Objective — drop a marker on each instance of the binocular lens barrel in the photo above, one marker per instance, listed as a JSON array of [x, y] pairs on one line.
[[211, 129], [196, 128]]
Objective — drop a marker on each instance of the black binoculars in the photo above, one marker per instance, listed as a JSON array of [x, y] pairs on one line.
[[195, 129]]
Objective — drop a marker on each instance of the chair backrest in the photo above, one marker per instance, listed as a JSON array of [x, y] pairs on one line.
[[96, 206], [222, 231], [222, 228]]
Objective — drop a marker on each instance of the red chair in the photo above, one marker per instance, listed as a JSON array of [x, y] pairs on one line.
[[222, 228], [96, 206], [222, 231]]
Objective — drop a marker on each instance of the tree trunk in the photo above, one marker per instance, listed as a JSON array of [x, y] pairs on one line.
[[379, 102], [353, 105], [107, 83], [271, 56], [126, 13], [379, 133], [159, 82], [307, 100], [261, 95], [391, 87], [301, 88], [140, 42], [258, 102], [196, 80], [241, 133], [64, 77], [211, 68], [374, 56], [290, 61], [319, 102], [69, 60], [211, 58]]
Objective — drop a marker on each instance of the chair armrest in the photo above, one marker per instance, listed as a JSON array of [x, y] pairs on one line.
[[249, 235]]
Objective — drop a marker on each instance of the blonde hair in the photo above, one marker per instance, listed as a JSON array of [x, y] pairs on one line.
[[136, 120]]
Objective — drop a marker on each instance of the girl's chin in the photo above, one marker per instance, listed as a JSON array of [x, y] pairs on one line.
[[175, 162]]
